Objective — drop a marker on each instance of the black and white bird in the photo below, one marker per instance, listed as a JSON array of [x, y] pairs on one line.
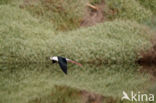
[[63, 62]]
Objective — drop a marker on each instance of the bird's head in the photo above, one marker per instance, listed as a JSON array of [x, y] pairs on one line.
[[54, 59]]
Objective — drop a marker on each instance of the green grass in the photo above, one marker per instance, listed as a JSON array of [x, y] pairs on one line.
[[96, 1], [65, 15], [153, 89], [108, 52], [136, 10], [27, 83], [4, 1], [28, 40], [149, 4], [60, 94], [128, 9]]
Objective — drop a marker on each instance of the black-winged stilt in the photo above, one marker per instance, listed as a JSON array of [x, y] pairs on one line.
[[63, 62]]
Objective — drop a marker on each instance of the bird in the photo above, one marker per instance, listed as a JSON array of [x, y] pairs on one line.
[[62, 61]]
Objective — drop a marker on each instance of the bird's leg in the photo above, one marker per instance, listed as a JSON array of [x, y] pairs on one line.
[[75, 62]]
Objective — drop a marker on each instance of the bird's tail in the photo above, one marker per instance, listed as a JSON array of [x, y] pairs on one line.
[[75, 63]]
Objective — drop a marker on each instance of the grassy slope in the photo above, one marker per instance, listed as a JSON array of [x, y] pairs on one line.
[[64, 17], [28, 40]]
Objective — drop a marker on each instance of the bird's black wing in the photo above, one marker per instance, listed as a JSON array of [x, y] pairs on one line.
[[63, 64]]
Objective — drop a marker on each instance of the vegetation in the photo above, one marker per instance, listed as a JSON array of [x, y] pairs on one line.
[[32, 83], [128, 9], [4, 1], [65, 15], [118, 41], [56, 11], [32, 31], [96, 1], [149, 4]]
